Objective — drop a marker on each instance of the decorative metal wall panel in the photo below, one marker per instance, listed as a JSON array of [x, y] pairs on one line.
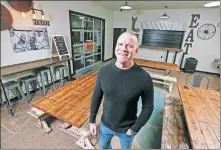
[[164, 26]]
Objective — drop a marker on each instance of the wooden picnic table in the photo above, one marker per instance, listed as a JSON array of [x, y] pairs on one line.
[[157, 65], [71, 103], [202, 114]]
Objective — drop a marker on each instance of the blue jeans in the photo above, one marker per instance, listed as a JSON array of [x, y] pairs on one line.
[[106, 135]]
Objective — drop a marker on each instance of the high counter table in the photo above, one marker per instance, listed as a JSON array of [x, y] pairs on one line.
[[18, 68]]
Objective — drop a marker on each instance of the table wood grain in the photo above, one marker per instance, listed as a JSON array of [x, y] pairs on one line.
[[72, 102], [157, 64], [162, 48], [202, 113]]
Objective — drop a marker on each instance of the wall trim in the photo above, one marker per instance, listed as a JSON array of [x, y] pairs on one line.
[[107, 59], [212, 73]]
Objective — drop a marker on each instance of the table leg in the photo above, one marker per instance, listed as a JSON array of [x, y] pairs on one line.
[[174, 60], [42, 125], [7, 100], [167, 72], [170, 87], [167, 56]]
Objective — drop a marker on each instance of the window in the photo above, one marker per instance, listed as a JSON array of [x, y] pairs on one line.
[[162, 38], [87, 33]]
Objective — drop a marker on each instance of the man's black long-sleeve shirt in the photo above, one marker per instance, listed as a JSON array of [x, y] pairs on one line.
[[121, 90]]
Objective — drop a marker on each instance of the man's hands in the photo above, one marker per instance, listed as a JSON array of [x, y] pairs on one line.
[[93, 129], [129, 133]]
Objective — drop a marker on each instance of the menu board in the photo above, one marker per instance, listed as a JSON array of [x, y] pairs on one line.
[[60, 45]]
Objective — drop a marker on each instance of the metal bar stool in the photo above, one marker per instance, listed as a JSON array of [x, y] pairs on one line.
[[43, 72], [197, 79], [15, 88], [61, 69], [29, 80]]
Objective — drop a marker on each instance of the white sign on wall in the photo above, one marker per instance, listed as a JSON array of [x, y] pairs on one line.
[[29, 39]]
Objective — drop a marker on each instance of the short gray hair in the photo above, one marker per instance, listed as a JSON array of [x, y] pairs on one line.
[[132, 34]]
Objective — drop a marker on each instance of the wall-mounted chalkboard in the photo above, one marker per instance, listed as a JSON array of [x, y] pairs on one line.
[[162, 38], [58, 42]]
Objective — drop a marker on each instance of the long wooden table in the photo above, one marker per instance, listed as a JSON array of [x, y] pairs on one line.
[[202, 113], [157, 65], [71, 103]]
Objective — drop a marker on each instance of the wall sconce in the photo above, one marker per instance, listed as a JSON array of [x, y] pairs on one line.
[[23, 13], [33, 12], [42, 15]]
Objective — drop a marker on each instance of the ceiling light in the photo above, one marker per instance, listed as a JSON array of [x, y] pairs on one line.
[[42, 15], [212, 4], [23, 13], [165, 16], [125, 6]]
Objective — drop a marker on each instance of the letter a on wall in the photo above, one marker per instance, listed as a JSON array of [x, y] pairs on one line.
[[190, 36]]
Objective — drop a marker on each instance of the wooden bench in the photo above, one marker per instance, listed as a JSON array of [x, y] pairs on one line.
[[165, 80], [174, 133], [161, 79], [157, 65]]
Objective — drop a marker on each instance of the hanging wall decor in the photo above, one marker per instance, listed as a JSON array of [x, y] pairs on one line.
[[206, 31], [133, 25], [6, 18], [29, 39], [190, 39]]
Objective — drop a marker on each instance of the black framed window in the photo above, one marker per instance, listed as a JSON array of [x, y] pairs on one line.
[[87, 39], [162, 38]]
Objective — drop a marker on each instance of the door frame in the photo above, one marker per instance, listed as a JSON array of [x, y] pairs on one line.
[[113, 50]]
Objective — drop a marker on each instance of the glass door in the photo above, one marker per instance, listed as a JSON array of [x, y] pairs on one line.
[[87, 40]]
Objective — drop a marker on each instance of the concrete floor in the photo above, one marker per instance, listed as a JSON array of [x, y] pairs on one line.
[[19, 131]]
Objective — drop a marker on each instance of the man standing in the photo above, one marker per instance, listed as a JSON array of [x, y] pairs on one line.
[[121, 82]]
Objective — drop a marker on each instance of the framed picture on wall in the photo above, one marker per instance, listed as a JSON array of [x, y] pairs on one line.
[[29, 39]]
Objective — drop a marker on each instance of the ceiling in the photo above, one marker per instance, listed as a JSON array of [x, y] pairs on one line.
[[150, 5]]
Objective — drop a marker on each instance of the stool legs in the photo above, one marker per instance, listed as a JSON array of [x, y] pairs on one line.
[[7, 94], [43, 82], [62, 76], [68, 74], [52, 80], [44, 77], [28, 92], [20, 90], [16, 92], [35, 85]]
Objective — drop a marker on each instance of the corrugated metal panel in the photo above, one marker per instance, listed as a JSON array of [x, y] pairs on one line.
[[164, 26]]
